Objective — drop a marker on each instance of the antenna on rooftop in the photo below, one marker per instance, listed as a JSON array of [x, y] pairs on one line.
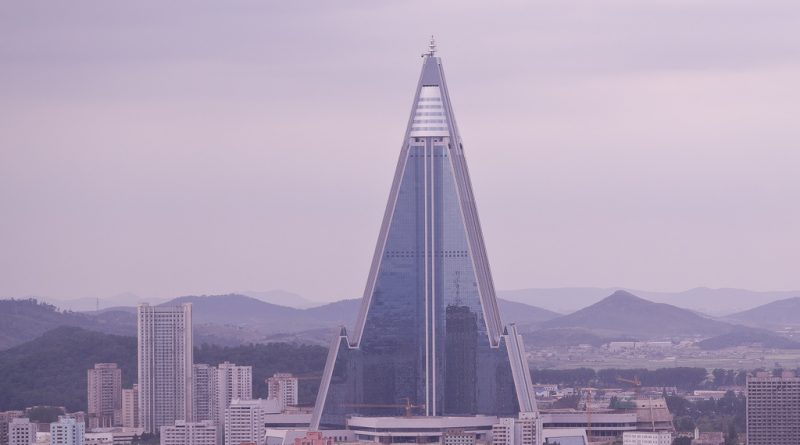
[[431, 48]]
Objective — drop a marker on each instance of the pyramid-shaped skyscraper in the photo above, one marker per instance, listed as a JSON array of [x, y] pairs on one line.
[[429, 332]]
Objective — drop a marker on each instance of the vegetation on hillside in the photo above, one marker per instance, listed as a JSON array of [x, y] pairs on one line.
[[51, 370], [26, 319]]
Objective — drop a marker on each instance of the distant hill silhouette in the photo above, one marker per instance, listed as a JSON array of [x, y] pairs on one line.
[[51, 369], [240, 310], [742, 336], [24, 320], [523, 314], [218, 319], [777, 314], [623, 313], [717, 302], [281, 297], [129, 299], [569, 337]]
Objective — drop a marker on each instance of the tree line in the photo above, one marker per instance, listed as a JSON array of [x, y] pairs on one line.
[[683, 378]]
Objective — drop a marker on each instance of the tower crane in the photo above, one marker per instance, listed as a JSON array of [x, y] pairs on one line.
[[635, 382]]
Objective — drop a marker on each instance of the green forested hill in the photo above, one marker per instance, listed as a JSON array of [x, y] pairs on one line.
[[51, 369], [24, 320]]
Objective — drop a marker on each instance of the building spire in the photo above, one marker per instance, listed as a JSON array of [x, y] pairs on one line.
[[432, 47]]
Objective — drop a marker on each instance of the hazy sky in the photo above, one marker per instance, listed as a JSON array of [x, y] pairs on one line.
[[170, 148]]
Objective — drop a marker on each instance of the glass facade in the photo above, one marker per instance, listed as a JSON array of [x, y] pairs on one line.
[[428, 336]]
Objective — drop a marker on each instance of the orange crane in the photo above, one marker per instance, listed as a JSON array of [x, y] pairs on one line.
[[637, 387], [636, 383], [408, 406]]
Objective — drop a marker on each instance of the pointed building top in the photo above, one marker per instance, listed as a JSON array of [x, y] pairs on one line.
[[431, 47]]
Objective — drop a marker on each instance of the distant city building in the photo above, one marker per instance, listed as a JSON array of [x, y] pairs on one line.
[[21, 431], [647, 438], [429, 328], [418, 429], [101, 438], [104, 395], [653, 415], [114, 435], [206, 393], [523, 430], [605, 425], [43, 438], [292, 436], [283, 387], [130, 407], [245, 421], [67, 431], [503, 432], [708, 438], [190, 433], [79, 416], [314, 438], [300, 421], [616, 346], [457, 436], [705, 394], [773, 409], [233, 382], [5, 420], [565, 436], [165, 360]]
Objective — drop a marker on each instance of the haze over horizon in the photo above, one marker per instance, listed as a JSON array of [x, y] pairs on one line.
[[194, 148]]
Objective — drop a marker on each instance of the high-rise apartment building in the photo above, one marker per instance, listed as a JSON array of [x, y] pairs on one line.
[[429, 328], [165, 365], [130, 407], [773, 409], [206, 393], [21, 431], [526, 429], [5, 420], [67, 431], [190, 433], [283, 388], [233, 382], [104, 395], [244, 421]]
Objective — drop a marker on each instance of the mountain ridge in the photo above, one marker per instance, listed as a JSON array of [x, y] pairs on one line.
[[776, 314], [623, 313], [702, 299], [219, 319]]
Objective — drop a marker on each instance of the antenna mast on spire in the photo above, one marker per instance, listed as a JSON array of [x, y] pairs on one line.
[[431, 48]]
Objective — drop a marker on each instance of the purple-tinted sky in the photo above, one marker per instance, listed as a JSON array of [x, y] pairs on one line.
[[205, 147]]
